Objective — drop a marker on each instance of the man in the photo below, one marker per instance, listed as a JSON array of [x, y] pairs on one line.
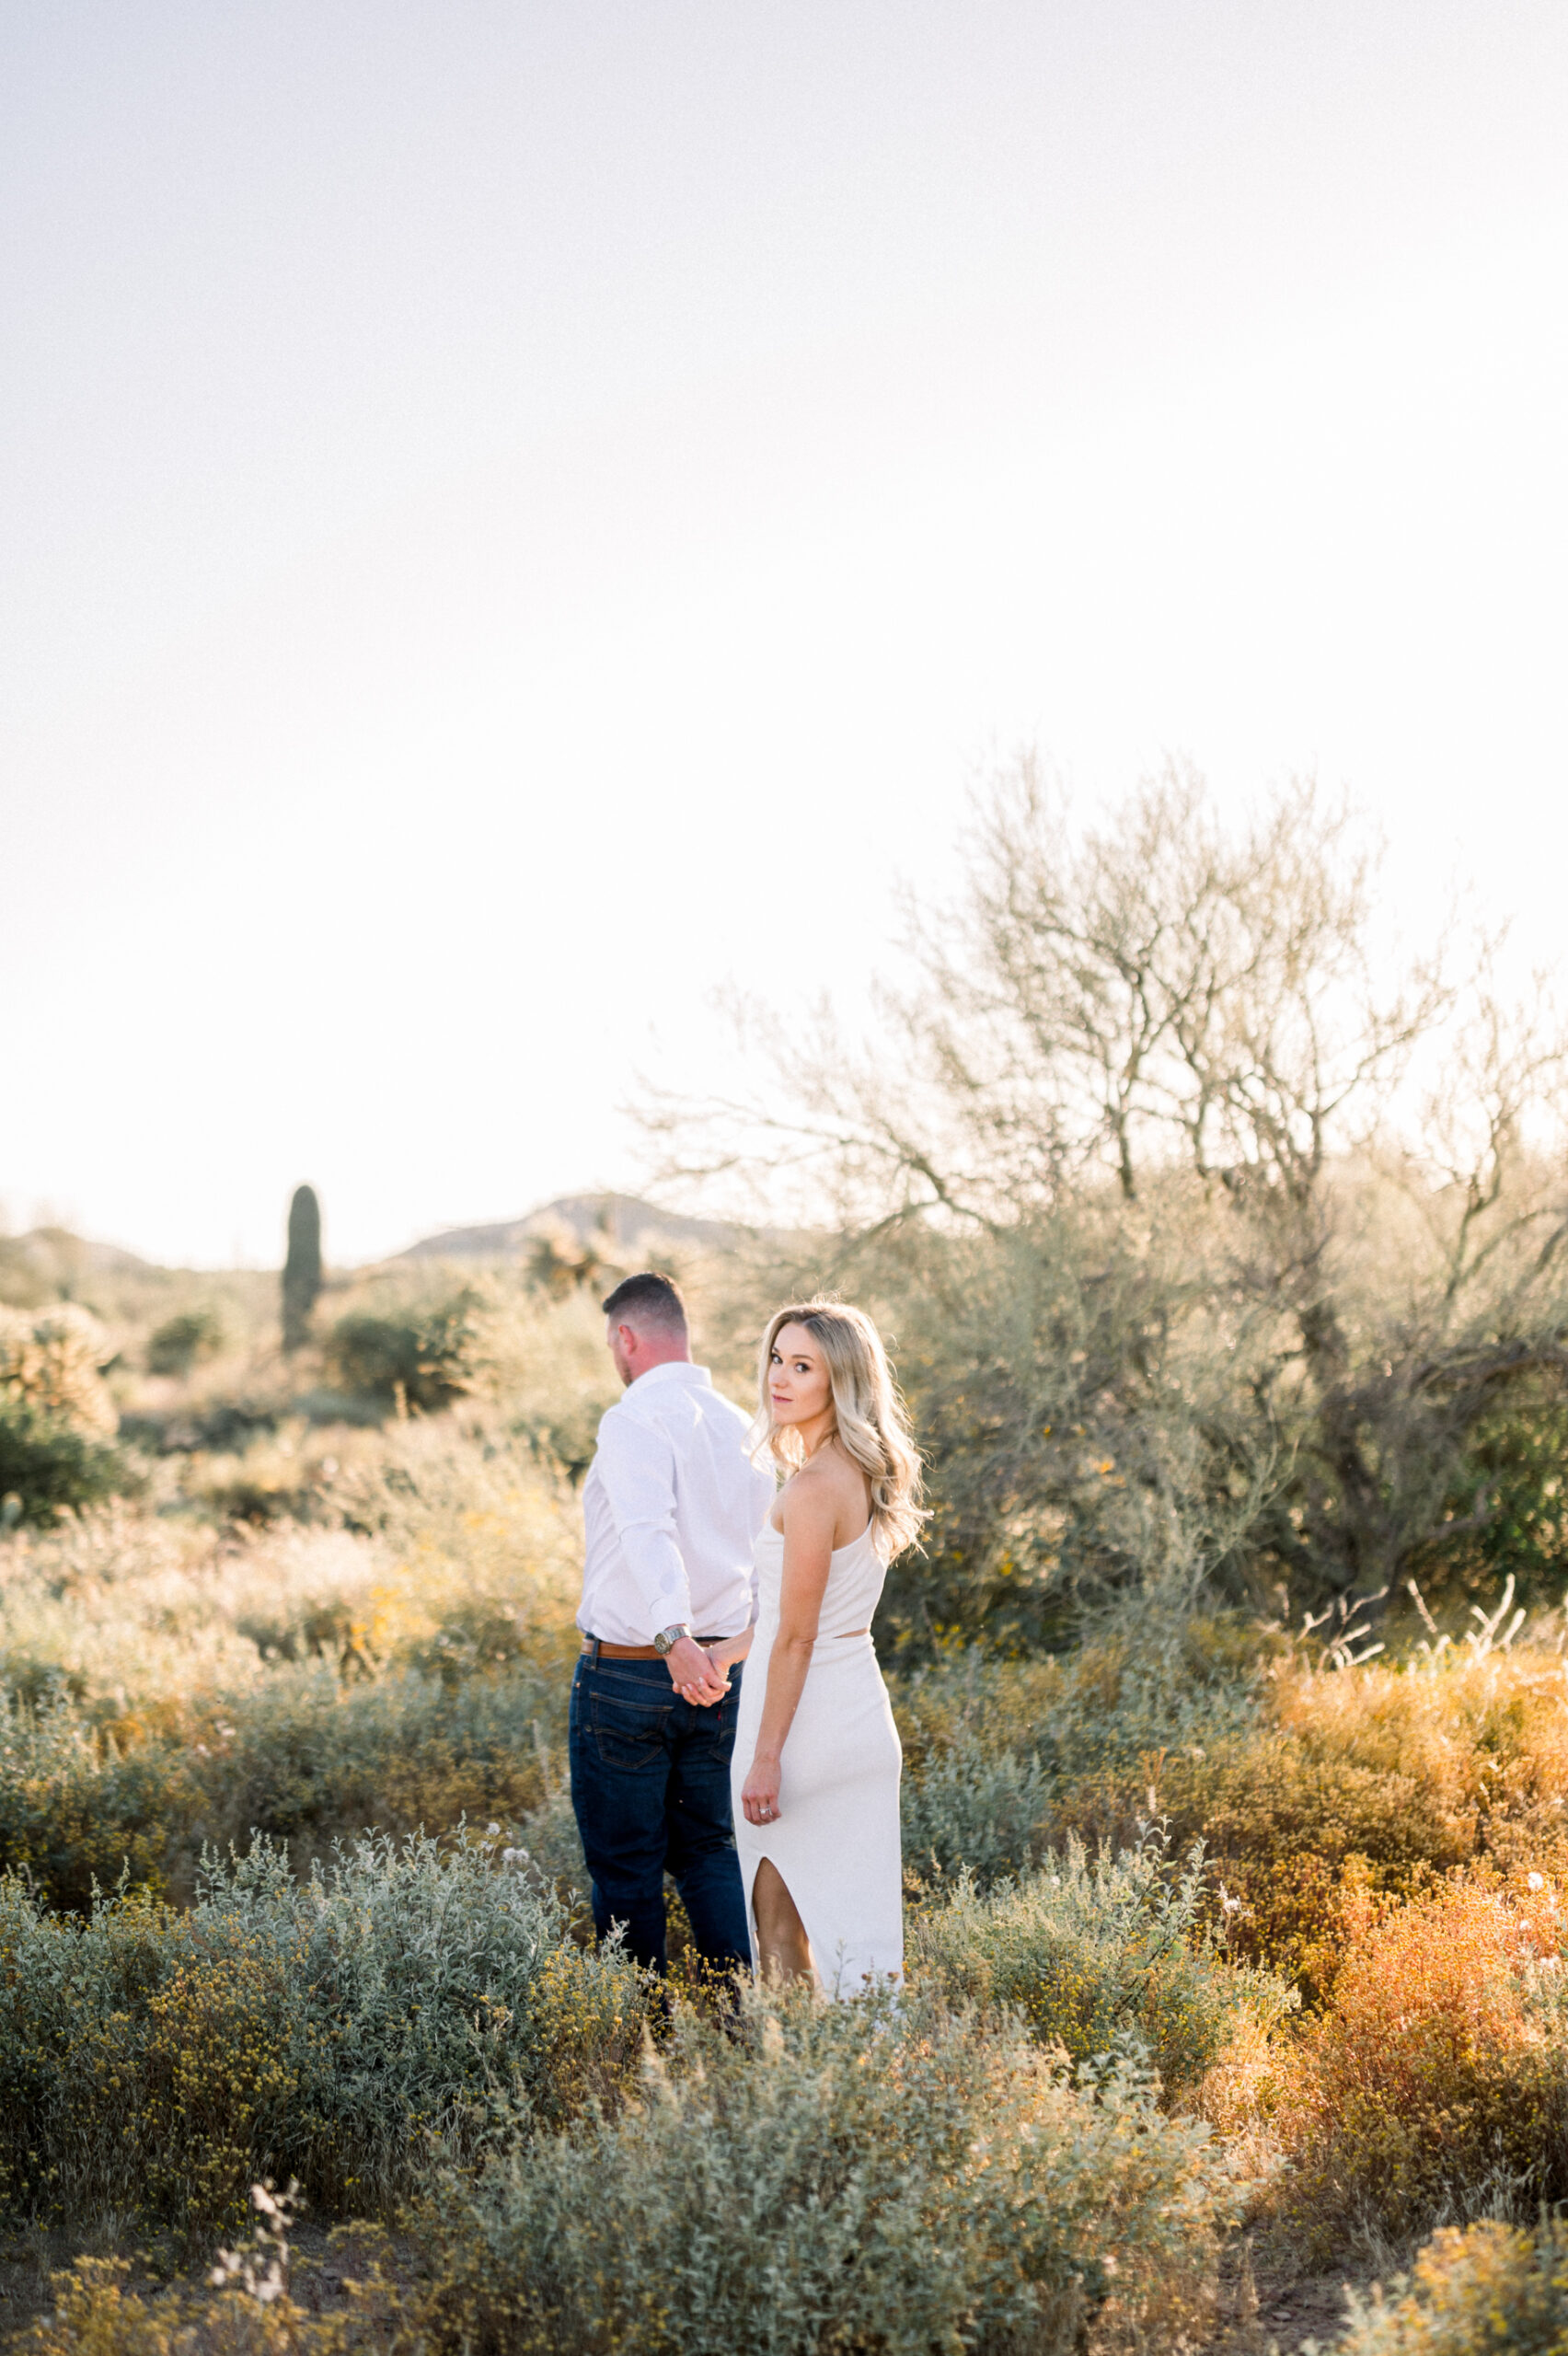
[[671, 1506]]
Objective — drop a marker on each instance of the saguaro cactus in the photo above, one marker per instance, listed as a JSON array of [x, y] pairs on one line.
[[302, 1269]]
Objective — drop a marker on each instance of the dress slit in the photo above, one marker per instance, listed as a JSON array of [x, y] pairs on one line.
[[751, 1912]]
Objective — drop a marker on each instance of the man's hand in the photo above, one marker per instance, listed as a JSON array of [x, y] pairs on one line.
[[693, 1674]]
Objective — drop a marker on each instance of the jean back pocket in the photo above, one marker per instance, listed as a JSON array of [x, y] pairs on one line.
[[629, 1735]]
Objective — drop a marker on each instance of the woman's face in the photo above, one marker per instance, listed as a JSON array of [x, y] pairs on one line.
[[798, 1388]]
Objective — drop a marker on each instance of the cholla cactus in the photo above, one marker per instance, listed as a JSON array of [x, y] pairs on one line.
[[51, 1358], [302, 1269], [559, 1263]]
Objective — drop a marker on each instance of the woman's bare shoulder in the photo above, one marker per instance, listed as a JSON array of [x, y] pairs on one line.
[[828, 1490]]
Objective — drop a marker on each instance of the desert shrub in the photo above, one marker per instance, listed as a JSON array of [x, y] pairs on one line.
[[969, 1694], [1436, 2087], [95, 2308], [1091, 1951], [1508, 1500], [304, 1758], [1170, 1678], [175, 1346], [862, 2175], [222, 1424], [1322, 1795], [307, 1756], [1367, 1784], [79, 1808], [266, 1483], [1003, 1758], [158, 2061], [1490, 2290], [461, 1559], [50, 1467], [422, 1357], [177, 1685], [975, 1811]]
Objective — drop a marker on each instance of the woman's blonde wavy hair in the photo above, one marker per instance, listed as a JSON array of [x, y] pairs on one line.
[[871, 1423]]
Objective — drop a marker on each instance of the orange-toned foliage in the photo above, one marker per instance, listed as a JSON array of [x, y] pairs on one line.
[[1434, 2084], [1355, 1791]]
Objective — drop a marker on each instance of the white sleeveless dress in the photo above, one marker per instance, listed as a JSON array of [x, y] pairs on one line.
[[835, 1839]]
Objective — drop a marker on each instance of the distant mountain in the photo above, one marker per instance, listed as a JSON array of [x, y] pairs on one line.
[[636, 1228], [50, 1262]]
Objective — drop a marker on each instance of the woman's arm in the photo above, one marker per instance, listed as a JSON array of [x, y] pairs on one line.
[[809, 1513]]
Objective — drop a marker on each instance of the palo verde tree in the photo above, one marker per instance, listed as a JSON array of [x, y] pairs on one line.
[[1188, 1194], [301, 1269]]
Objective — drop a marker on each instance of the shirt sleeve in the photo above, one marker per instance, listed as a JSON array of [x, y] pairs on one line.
[[637, 1470]]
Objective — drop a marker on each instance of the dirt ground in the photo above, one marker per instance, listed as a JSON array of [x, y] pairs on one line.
[[1266, 2310], [322, 2263], [1270, 2310]]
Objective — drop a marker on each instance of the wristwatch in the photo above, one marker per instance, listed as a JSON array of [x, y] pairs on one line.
[[666, 1640]]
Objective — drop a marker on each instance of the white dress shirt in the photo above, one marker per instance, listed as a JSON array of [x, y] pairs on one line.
[[671, 1506]]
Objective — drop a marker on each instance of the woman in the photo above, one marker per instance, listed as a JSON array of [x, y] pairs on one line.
[[817, 1756]]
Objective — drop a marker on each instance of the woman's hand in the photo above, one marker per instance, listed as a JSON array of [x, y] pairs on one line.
[[759, 1793]]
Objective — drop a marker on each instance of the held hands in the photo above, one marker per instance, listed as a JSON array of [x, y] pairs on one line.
[[759, 1794], [698, 1676]]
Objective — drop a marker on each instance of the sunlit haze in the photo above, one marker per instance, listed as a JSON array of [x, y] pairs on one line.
[[515, 516]]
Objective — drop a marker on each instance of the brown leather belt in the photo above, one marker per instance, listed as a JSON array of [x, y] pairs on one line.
[[597, 1649]]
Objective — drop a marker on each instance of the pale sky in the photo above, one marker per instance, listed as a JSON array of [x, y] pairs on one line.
[[514, 515]]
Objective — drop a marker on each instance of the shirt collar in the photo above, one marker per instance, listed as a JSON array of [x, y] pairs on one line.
[[674, 1371]]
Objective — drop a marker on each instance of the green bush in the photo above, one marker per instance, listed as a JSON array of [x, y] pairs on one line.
[[306, 1758], [300, 1757], [79, 1808], [175, 1346], [1091, 1951], [158, 2062], [876, 2175], [1003, 1757], [981, 1812], [50, 1467], [424, 1359], [1488, 2290]]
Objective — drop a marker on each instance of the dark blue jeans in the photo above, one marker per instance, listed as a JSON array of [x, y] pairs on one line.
[[650, 1787]]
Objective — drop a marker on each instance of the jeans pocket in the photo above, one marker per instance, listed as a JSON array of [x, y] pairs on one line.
[[629, 1735], [712, 1735]]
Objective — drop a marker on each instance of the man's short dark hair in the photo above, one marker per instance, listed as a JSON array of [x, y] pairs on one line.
[[648, 1299]]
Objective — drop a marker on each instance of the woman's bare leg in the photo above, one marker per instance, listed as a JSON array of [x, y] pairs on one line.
[[786, 1952]]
